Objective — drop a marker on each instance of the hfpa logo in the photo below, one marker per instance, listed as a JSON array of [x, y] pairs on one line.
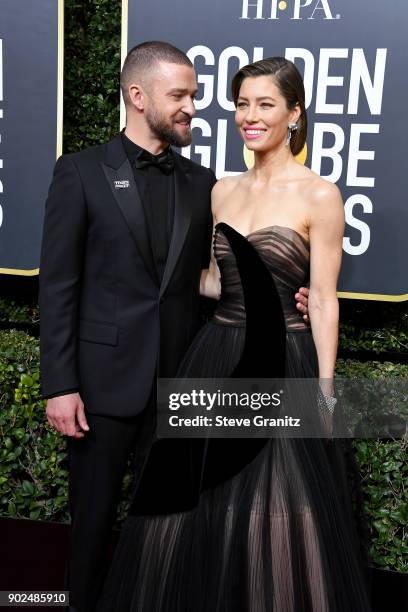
[[301, 9]]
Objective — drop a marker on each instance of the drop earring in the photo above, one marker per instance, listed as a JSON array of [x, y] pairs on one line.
[[292, 127]]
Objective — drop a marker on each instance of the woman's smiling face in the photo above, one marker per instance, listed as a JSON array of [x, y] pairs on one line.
[[262, 115]]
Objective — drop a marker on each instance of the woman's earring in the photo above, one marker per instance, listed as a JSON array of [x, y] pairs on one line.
[[292, 127]]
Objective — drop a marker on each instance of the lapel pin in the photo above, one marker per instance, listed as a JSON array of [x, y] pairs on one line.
[[121, 184]]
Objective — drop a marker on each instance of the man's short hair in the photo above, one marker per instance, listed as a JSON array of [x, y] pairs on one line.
[[142, 58]]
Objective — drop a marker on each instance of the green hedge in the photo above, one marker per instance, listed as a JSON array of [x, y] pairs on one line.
[[15, 312], [383, 466], [374, 326], [33, 473], [92, 66], [33, 458]]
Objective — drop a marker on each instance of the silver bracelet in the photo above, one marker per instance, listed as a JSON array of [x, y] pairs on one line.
[[327, 403]]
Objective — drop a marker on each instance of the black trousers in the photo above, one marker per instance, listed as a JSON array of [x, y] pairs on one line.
[[97, 464]]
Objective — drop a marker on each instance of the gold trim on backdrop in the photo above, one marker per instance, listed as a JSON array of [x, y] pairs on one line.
[[124, 50], [60, 122], [20, 272], [373, 296]]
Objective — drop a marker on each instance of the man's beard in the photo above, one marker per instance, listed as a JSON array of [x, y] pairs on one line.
[[162, 130]]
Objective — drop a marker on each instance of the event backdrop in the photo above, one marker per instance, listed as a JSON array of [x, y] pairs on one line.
[[31, 47], [352, 56]]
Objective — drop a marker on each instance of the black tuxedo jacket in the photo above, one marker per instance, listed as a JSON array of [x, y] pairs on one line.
[[107, 327]]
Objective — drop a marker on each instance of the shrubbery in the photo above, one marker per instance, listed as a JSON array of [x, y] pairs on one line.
[[33, 457], [92, 66], [383, 466], [33, 472]]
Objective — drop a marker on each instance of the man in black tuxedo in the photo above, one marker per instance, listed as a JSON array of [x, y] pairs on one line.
[[127, 231]]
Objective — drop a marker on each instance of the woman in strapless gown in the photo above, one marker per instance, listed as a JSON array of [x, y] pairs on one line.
[[253, 525]]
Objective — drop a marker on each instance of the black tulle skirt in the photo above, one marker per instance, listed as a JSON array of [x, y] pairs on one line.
[[277, 533]]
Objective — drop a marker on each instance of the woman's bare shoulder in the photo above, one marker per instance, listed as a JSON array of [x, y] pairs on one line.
[[317, 188], [222, 189]]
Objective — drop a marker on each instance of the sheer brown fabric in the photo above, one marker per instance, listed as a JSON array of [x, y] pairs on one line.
[[286, 255]]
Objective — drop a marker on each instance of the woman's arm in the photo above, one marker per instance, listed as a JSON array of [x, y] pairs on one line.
[[326, 238], [210, 284]]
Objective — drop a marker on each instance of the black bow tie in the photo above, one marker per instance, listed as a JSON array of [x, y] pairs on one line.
[[164, 161]]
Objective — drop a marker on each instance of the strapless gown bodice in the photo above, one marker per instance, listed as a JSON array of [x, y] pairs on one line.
[[286, 255]]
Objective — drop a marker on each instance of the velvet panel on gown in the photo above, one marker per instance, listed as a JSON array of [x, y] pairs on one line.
[[245, 525]]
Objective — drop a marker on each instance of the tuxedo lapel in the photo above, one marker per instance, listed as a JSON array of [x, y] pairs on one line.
[[119, 174], [183, 191]]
